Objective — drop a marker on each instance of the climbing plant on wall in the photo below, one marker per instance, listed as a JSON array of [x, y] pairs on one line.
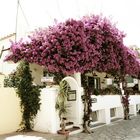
[[28, 93], [87, 104]]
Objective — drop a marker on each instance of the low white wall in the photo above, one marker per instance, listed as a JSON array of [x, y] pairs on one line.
[[10, 115], [106, 101], [134, 99], [104, 104], [47, 119], [111, 101]]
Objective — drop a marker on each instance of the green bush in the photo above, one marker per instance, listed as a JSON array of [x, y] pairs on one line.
[[110, 90]]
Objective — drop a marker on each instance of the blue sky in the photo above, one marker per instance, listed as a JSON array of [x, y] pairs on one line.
[[41, 13]]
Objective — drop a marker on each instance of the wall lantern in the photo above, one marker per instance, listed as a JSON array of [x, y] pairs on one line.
[[106, 76]]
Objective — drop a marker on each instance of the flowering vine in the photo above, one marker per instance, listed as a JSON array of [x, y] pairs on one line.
[[91, 43]]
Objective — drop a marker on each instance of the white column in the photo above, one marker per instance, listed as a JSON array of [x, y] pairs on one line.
[[104, 115], [139, 85], [77, 77], [107, 116], [121, 87], [135, 110]]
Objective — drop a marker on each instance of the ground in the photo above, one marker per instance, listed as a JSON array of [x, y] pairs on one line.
[[120, 130]]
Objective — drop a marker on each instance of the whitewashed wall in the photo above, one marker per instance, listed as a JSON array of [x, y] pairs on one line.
[[10, 115], [106, 102], [47, 119]]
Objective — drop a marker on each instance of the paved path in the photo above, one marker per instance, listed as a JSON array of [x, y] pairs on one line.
[[120, 130]]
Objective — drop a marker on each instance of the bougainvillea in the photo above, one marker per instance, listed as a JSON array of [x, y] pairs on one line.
[[92, 43], [129, 64], [105, 37], [62, 48]]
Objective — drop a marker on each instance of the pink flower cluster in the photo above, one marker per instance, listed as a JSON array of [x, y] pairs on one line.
[[91, 43]]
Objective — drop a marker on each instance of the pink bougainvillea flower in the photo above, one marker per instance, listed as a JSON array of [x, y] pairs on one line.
[[92, 43]]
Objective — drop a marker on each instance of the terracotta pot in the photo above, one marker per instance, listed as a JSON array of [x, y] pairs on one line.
[[63, 132]]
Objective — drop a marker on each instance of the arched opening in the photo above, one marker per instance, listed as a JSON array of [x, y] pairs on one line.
[[74, 103]]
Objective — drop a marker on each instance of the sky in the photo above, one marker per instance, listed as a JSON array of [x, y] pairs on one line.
[[33, 14]]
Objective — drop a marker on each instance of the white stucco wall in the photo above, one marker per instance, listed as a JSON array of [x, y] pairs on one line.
[[111, 101], [10, 115], [134, 99], [107, 101], [47, 119]]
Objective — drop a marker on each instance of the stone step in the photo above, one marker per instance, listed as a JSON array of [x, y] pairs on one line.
[[69, 125], [116, 119], [70, 131], [74, 130]]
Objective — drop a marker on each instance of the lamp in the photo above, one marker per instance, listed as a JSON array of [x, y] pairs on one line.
[[106, 76]]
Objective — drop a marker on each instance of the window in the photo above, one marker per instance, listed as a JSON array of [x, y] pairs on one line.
[[94, 82], [112, 112]]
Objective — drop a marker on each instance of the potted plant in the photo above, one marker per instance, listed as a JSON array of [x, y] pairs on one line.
[[61, 106]]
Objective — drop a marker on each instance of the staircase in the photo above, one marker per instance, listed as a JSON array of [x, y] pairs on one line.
[[71, 128]]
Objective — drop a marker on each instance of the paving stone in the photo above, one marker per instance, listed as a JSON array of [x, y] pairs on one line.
[[121, 130]]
